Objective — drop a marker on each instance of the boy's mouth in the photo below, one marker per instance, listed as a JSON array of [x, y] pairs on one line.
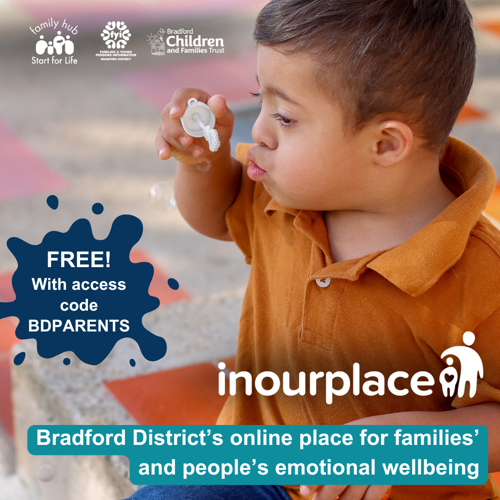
[[253, 170]]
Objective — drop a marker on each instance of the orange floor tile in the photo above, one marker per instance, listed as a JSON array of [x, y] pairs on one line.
[[5, 394], [22, 172], [493, 207], [7, 334], [6, 291], [496, 476], [470, 113], [159, 286], [493, 27], [7, 340], [183, 396]]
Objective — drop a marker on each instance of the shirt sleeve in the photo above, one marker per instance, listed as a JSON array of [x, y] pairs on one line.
[[487, 345], [239, 216]]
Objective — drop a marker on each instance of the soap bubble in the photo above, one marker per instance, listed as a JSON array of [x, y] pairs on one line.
[[46, 473], [204, 166], [161, 196]]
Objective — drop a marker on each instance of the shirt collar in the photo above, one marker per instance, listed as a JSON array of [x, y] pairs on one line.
[[415, 265]]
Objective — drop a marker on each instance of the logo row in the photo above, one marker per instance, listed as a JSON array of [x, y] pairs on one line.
[[55, 39]]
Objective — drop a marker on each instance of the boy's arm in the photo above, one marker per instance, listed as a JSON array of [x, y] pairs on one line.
[[206, 183], [487, 414]]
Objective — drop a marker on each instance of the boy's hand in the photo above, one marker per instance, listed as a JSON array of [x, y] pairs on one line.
[[354, 492], [172, 140], [331, 492]]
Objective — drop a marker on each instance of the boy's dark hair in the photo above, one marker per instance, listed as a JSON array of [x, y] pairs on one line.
[[377, 57]]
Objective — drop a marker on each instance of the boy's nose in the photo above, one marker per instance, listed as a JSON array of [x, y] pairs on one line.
[[262, 132]]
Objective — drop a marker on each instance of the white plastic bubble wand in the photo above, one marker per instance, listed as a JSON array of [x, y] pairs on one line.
[[199, 121]]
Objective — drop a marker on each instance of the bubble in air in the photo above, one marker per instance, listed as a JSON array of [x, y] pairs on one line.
[[132, 362], [161, 196], [19, 358], [97, 208], [46, 473], [53, 202], [66, 361], [204, 166]]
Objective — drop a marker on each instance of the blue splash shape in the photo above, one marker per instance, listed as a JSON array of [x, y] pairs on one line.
[[53, 202], [97, 208], [120, 311], [173, 284], [18, 360], [66, 361]]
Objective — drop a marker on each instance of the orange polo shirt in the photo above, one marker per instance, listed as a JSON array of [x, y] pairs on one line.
[[392, 310]]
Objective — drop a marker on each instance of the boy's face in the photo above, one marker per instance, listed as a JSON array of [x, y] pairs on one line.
[[308, 163]]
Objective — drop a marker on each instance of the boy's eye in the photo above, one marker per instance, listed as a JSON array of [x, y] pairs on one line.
[[257, 95], [283, 121]]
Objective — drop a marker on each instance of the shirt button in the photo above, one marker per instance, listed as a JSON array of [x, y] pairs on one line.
[[323, 283]]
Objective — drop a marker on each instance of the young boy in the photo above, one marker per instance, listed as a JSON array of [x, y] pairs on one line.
[[362, 221]]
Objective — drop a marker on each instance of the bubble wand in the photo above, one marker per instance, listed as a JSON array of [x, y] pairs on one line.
[[199, 121]]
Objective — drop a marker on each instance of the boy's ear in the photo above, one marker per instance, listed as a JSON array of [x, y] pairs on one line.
[[394, 140]]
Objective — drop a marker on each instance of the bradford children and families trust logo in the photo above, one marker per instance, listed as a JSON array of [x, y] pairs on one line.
[[116, 36], [183, 41], [56, 44], [375, 384]]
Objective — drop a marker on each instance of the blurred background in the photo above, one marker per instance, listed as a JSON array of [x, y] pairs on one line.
[[86, 133]]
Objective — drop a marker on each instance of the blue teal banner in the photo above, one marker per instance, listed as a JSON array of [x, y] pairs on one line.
[[293, 454]]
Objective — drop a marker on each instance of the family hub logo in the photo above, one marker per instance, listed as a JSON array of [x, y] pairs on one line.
[[471, 366], [60, 43]]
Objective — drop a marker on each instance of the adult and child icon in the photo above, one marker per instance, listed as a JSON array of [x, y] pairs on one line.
[[470, 367], [58, 44]]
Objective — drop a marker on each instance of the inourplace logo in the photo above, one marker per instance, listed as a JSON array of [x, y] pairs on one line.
[[372, 383]]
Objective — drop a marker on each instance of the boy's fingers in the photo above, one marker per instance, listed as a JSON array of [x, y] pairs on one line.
[[174, 136], [354, 492], [222, 113], [162, 146], [217, 103], [378, 493], [347, 492], [323, 492], [307, 490], [171, 134], [177, 106], [331, 492]]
